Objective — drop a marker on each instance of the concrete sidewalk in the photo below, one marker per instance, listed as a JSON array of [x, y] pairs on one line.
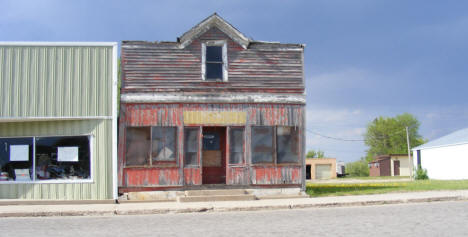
[[175, 207]]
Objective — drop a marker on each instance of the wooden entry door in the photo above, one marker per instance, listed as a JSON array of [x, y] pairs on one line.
[[214, 155], [396, 168]]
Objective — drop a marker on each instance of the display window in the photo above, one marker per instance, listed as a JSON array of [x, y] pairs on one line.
[[191, 143], [287, 144], [138, 146], [275, 145], [64, 158], [16, 163], [164, 144], [151, 146], [236, 148], [36, 159], [262, 144]]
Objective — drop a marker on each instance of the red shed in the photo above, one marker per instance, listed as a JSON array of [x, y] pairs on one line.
[[214, 107]]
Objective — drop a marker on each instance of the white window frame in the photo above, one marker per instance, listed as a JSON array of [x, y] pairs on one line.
[[222, 43], [60, 181]]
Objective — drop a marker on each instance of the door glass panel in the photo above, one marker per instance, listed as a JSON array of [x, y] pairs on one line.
[[211, 141]]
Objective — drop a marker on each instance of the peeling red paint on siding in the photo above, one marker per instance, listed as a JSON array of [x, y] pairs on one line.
[[172, 115], [192, 176], [237, 176], [276, 175], [136, 177], [151, 114]]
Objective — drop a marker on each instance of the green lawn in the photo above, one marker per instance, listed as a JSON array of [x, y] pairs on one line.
[[374, 177], [341, 189]]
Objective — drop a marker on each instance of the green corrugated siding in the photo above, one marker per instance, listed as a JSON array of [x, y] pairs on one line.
[[101, 188], [53, 81]]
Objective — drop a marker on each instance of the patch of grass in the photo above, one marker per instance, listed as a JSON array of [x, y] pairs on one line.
[[374, 177], [318, 189]]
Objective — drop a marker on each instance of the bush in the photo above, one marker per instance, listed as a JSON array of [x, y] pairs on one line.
[[358, 168], [421, 174]]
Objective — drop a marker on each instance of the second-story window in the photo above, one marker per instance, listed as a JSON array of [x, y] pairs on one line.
[[214, 61]]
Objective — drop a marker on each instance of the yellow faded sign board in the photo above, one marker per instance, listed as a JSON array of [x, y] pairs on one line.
[[215, 117]]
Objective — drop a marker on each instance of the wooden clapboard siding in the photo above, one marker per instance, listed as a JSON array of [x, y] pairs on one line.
[[164, 67], [162, 85]]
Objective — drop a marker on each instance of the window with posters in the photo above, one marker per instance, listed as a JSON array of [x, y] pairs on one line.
[[36, 159]]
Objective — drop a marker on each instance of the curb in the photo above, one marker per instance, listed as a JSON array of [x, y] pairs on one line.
[[344, 204], [59, 213], [115, 210]]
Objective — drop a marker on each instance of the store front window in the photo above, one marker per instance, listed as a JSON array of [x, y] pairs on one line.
[[64, 158], [34, 159], [16, 163]]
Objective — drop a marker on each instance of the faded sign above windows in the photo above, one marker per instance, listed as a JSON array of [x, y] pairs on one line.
[[215, 117]]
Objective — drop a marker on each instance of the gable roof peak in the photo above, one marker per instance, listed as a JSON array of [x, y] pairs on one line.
[[213, 20]]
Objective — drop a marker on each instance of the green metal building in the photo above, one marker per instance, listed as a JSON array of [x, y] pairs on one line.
[[58, 120]]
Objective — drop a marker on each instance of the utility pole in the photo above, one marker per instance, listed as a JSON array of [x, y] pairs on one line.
[[409, 154]]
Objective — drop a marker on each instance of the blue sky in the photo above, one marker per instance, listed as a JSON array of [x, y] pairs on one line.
[[363, 59]]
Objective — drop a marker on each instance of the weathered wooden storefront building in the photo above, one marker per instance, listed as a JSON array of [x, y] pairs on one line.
[[214, 107]]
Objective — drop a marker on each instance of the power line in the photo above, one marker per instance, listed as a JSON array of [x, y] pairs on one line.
[[386, 136], [335, 138]]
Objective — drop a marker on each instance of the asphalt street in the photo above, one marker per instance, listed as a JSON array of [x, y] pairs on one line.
[[420, 219]]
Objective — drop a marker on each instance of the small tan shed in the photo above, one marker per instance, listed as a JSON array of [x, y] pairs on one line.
[[320, 168]]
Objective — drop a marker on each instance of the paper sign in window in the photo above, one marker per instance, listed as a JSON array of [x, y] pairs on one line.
[[22, 175], [19, 152], [67, 154]]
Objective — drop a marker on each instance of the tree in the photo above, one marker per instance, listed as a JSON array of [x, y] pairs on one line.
[[315, 154], [387, 135], [358, 168], [320, 154], [311, 154]]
